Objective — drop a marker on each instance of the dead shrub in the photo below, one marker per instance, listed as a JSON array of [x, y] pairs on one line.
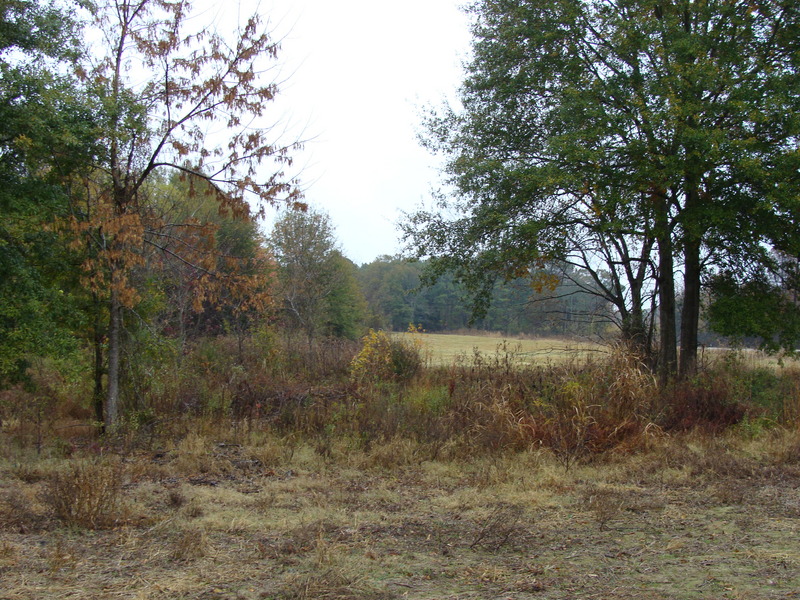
[[605, 503], [16, 510], [491, 420], [190, 544], [499, 528], [85, 495]]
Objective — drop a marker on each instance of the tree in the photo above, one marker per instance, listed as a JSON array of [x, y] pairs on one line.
[[763, 304], [631, 137], [317, 285], [162, 88], [233, 249], [346, 306], [46, 135]]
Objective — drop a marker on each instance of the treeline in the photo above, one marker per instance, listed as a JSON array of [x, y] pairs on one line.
[[129, 236], [132, 178], [323, 294], [398, 295]]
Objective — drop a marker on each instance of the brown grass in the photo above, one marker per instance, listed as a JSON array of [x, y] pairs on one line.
[[85, 494], [690, 516], [489, 477]]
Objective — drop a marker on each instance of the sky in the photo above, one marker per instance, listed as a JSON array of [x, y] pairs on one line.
[[356, 75]]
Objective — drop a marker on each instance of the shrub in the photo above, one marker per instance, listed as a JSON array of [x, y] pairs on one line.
[[85, 495], [383, 358]]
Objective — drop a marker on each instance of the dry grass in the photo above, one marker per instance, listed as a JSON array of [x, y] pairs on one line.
[[446, 349], [85, 494], [689, 516], [489, 478]]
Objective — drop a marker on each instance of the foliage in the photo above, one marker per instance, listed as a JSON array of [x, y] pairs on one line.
[[383, 358], [192, 82], [761, 305], [317, 284], [397, 294], [46, 132], [618, 137]]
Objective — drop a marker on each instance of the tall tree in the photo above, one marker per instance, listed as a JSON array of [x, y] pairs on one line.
[[164, 86], [628, 134], [46, 135], [317, 285]]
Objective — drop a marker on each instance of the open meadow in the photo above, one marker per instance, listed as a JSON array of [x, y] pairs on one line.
[[351, 472], [446, 349]]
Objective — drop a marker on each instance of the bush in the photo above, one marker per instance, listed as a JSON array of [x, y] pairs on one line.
[[383, 358], [85, 495]]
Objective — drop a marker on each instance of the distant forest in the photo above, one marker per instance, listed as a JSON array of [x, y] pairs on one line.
[[396, 298]]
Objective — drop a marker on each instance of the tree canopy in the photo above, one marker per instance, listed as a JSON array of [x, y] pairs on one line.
[[46, 134], [642, 138]]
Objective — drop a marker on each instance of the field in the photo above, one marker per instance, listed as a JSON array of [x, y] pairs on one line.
[[344, 471], [227, 515], [444, 349], [447, 348]]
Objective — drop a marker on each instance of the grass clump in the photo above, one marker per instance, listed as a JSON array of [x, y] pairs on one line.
[[85, 495], [384, 358]]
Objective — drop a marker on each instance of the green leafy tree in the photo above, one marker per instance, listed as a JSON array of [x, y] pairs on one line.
[[635, 138], [346, 306], [761, 304], [317, 287], [46, 136], [390, 287]]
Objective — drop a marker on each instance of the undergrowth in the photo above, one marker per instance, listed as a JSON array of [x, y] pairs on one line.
[[379, 394]]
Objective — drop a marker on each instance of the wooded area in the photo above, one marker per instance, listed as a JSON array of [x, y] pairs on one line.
[[196, 405], [615, 171]]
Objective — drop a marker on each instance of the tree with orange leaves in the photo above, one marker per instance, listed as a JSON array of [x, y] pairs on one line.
[[163, 89]]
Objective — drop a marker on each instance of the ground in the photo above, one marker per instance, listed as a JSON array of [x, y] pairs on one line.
[[267, 517]]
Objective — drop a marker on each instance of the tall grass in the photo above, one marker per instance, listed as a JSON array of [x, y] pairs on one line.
[[379, 391]]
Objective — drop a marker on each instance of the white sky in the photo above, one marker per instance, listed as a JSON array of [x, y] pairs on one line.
[[358, 74]]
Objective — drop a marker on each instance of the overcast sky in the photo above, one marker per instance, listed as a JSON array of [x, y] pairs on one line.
[[358, 74]]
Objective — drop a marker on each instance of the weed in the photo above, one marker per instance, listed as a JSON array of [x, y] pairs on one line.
[[330, 584], [85, 495], [395, 452], [498, 527], [8, 554], [16, 510], [606, 503], [62, 556], [176, 499], [190, 544], [383, 358]]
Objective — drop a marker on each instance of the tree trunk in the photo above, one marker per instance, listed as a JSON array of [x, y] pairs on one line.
[[114, 345], [99, 369], [668, 346], [690, 314], [634, 331]]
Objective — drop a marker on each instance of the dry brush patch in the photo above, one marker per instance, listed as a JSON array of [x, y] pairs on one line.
[[687, 517]]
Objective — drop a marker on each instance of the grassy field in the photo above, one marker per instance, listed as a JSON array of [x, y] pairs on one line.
[[233, 516], [445, 349], [450, 348], [351, 473]]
